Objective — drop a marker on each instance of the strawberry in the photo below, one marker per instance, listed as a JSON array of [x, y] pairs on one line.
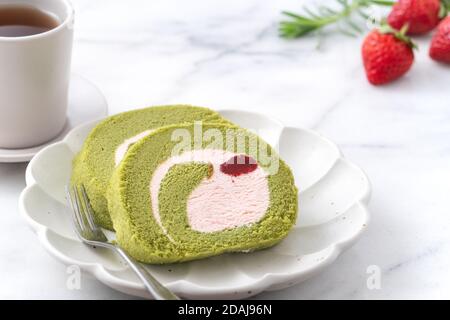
[[440, 44], [387, 55], [421, 16]]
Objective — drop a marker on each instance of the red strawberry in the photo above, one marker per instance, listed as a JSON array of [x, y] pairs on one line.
[[421, 16], [440, 44], [387, 55]]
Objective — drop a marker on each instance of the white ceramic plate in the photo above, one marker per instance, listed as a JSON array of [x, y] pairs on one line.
[[86, 103], [333, 214]]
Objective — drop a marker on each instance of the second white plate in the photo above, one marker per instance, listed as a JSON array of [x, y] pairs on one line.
[[333, 194]]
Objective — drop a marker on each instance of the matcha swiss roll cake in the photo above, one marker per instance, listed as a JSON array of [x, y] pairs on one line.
[[196, 190], [110, 140]]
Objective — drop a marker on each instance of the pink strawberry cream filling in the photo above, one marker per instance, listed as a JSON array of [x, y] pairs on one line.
[[222, 201]]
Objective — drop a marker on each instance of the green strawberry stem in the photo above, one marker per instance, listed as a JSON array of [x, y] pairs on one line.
[[300, 25], [399, 34], [445, 8]]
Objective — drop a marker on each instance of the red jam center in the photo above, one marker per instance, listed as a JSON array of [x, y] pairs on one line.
[[238, 165]]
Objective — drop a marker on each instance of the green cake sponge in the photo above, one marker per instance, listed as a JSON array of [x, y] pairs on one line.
[[110, 140], [185, 193]]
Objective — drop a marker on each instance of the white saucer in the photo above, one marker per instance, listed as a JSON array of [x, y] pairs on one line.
[[86, 103], [333, 198]]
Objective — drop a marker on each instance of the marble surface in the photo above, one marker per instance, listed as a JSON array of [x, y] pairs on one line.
[[228, 54]]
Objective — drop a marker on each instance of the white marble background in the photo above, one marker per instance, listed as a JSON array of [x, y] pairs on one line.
[[226, 53]]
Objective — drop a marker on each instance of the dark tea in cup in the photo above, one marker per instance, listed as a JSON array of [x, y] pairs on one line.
[[24, 20]]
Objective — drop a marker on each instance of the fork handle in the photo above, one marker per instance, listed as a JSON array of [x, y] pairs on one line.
[[158, 291]]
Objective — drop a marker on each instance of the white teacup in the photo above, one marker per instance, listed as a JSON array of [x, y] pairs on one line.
[[34, 78]]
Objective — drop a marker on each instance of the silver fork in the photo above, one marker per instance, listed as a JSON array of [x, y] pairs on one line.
[[91, 234]]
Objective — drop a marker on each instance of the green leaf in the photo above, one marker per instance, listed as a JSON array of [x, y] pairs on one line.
[[293, 30], [311, 20], [383, 2], [445, 8]]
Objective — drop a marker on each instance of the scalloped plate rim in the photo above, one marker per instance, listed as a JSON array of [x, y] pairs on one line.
[[258, 285]]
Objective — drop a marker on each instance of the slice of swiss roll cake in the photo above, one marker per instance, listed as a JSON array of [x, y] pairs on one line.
[[191, 191], [110, 140]]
